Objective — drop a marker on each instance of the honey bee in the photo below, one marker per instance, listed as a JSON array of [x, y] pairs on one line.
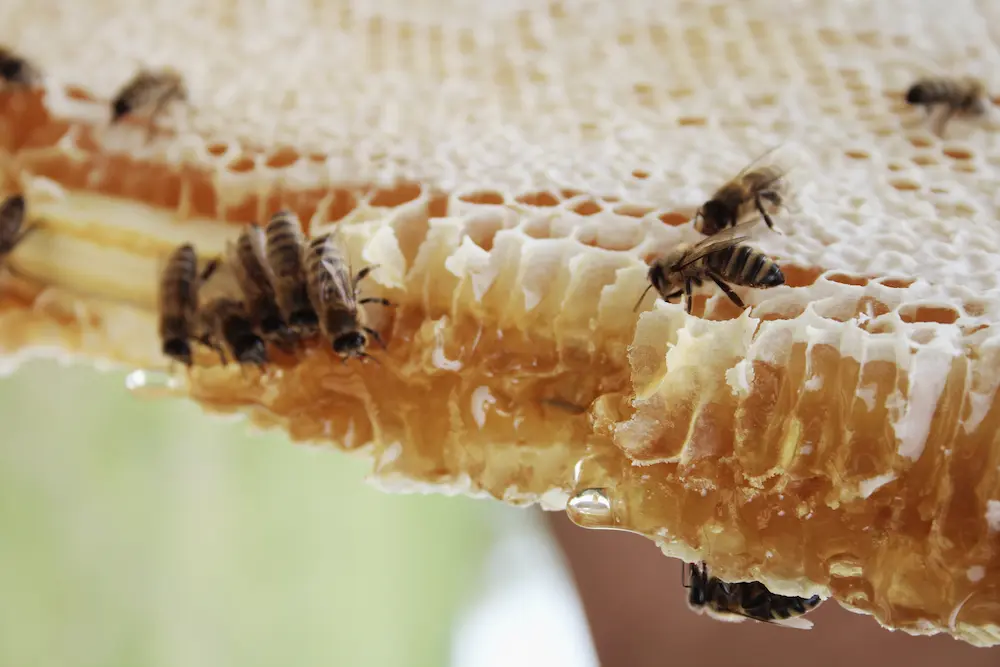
[[12, 214], [334, 294], [226, 326], [148, 90], [958, 96], [285, 245], [17, 70], [750, 599], [743, 195], [249, 261], [723, 258], [179, 285]]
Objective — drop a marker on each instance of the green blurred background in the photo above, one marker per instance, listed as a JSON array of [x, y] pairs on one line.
[[137, 532]]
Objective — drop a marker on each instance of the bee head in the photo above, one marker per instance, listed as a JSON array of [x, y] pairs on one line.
[[252, 350], [119, 110], [12, 69], [350, 344], [178, 348], [663, 274], [916, 94], [696, 587], [716, 212]]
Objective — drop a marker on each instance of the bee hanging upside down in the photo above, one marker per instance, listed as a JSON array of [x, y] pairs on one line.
[[760, 182], [285, 245], [964, 96], [749, 599], [334, 294], [722, 258], [248, 257], [178, 307], [226, 326]]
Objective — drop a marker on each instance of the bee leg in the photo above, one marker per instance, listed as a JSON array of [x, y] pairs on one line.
[[367, 357], [363, 273], [154, 114], [688, 301], [644, 293], [943, 121], [767, 218], [207, 342], [374, 334], [209, 269], [673, 295], [375, 299], [725, 288]]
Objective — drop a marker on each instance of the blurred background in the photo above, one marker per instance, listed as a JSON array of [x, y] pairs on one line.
[[147, 533]]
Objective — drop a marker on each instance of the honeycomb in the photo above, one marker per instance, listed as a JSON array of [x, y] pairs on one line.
[[512, 167]]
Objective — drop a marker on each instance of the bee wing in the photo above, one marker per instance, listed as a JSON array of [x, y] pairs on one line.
[[765, 157], [725, 616], [796, 622], [735, 616], [338, 288], [725, 239], [258, 241]]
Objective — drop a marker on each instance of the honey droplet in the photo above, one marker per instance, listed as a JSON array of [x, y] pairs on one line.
[[151, 384], [591, 508]]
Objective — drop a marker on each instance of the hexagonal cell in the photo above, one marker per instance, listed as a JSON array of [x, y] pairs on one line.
[[632, 210], [586, 207], [543, 199], [218, 149], [857, 154], [923, 160], [939, 314], [905, 184], [482, 197], [692, 121], [836, 309], [974, 308], [640, 174], [242, 165], [896, 283], [619, 237], [770, 311], [281, 158], [79, 94], [921, 141], [800, 276], [847, 279], [673, 219], [395, 196], [958, 153]]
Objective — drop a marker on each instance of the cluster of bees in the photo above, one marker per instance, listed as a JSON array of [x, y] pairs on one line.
[[292, 288]]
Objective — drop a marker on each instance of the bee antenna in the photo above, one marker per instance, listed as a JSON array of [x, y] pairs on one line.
[[644, 293]]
